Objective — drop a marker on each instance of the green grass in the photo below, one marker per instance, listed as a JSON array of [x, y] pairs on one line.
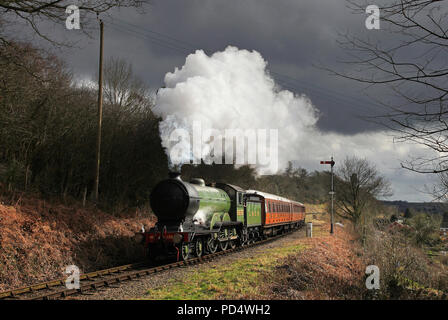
[[236, 280]]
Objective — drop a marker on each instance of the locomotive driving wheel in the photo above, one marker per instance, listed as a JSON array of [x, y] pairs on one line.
[[232, 243], [185, 251], [199, 249], [250, 238], [212, 244], [223, 245]]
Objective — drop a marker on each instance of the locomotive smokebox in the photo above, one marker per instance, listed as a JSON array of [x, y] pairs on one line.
[[172, 200], [174, 175]]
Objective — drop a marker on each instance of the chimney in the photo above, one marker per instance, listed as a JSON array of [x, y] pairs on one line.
[[174, 175]]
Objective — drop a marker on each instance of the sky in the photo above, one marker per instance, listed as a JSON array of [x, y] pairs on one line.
[[297, 39]]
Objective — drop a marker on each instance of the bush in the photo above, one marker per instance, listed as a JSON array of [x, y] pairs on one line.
[[425, 229], [405, 271]]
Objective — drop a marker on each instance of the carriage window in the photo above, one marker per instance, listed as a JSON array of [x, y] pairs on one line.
[[240, 198]]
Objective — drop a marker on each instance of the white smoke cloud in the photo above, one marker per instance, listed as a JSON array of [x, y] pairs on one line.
[[232, 89]]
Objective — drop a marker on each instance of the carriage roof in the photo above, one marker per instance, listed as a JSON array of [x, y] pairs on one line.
[[273, 197]]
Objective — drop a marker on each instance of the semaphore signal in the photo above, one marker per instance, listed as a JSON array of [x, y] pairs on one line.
[[328, 162], [331, 162]]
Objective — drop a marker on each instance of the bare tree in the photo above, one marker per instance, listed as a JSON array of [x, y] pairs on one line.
[[123, 90], [412, 64], [358, 184], [47, 133], [33, 13], [36, 15]]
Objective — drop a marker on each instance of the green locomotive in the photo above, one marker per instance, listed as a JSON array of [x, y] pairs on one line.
[[195, 219]]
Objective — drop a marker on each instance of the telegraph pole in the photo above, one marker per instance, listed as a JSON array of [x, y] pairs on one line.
[[100, 112]]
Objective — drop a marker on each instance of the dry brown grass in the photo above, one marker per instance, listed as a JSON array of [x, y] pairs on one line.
[[331, 268], [38, 239]]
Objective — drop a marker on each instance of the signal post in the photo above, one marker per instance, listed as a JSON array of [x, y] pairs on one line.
[[331, 162]]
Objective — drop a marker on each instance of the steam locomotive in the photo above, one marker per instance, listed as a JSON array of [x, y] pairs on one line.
[[195, 219]]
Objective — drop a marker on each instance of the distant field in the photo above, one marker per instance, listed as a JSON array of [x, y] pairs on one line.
[[428, 207], [313, 208]]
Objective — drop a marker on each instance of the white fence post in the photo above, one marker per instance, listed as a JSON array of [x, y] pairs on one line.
[[309, 229]]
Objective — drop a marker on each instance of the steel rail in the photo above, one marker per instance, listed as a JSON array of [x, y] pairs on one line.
[[107, 277], [15, 293]]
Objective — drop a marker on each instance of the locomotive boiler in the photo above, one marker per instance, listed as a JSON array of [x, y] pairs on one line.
[[179, 204]]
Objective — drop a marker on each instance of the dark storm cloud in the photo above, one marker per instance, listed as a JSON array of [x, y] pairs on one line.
[[293, 37]]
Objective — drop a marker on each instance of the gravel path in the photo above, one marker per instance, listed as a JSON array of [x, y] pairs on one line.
[[138, 288]]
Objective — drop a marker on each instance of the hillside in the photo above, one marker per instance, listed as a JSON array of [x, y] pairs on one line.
[[40, 238], [428, 207]]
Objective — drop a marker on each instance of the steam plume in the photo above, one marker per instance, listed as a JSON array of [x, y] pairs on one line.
[[232, 89]]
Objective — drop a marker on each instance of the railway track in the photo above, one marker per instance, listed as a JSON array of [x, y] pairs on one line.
[[110, 277]]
